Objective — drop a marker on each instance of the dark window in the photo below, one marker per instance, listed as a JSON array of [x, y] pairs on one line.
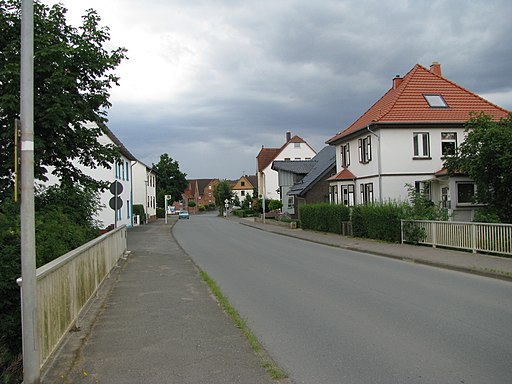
[[345, 155], [465, 193]]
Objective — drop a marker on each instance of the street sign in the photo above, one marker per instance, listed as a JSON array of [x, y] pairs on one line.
[[116, 188], [115, 205]]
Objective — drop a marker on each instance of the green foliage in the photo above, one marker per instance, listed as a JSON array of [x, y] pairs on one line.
[[169, 181], [379, 221], [323, 217], [486, 157], [275, 204], [138, 209], [201, 208], [191, 203], [73, 74], [236, 201], [63, 221], [239, 213], [222, 192], [421, 207], [160, 212]]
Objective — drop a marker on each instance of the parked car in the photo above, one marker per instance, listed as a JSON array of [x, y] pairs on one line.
[[183, 215]]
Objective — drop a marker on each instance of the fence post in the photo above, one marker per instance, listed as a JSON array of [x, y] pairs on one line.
[[401, 231], [473, 234], [434, 234]]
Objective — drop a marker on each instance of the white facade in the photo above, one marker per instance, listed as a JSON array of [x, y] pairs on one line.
[[120, 172], [268, 182], [399, 157], [144, 189]]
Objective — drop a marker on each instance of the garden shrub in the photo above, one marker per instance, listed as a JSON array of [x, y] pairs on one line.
[[138, 209], [323, 217]]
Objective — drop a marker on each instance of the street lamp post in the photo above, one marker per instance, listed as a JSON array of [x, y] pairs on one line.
[[31, 372]]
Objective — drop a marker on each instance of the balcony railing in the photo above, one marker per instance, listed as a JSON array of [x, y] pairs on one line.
[[67, 284], [477, 237]]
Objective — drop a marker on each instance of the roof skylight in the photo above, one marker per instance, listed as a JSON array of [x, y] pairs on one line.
[[435, 101]]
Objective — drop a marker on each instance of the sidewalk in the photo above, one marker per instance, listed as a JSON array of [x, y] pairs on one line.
[[155, 322], [486, 265]]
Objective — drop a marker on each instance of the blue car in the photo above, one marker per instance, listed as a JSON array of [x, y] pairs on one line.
[[183, 215]]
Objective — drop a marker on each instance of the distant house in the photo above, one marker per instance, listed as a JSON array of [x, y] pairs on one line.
[[244, 187], [294, 149], [305, 182], [200, 191], [144, 189], [403, 139]]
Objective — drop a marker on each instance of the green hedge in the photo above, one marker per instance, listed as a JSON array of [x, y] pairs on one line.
[[323, 217], [379, 221]]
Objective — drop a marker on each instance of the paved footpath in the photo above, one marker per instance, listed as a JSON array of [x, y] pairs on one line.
[[158, 323], [487, 265], [155, 321]]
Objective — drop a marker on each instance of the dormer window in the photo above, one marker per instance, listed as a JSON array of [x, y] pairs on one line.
[[435, 101]]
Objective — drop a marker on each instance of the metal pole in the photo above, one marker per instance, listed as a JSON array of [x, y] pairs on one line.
[[28, 254], [263, 194]]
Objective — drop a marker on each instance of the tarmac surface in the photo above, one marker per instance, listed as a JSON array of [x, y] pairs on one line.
[[155, 321]]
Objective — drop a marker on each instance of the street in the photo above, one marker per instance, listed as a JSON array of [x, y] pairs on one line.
[[328, 315]]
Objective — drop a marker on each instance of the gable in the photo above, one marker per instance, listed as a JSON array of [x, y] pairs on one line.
[[408, 102]]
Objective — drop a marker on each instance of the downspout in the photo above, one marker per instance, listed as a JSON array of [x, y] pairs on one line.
[[132, 163], [379, 161]]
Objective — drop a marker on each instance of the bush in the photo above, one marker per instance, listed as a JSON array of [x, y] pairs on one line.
[[239, 213], [323, 217], [138, 209], [379, 221], [275, 204], [201, 208], [160, 213], [191, 203]]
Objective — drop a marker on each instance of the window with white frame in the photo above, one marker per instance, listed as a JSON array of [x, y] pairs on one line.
[[345, 155], [465, 193], [365, 149], [424, 189], [347, 195], [366, 193], [448, 143], [421, 144]]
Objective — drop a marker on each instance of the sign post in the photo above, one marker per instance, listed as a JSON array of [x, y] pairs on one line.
[[167, 198]]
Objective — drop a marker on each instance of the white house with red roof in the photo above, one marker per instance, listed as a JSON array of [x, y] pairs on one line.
[[403, 138], [295, 148]]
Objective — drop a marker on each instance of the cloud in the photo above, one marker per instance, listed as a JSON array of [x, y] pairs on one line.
[[209, 82]]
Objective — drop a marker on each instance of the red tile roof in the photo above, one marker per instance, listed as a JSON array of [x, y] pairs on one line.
[[345, 174], [405, 102], [267, 155]]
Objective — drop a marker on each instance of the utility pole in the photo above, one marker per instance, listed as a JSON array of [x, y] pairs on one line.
[[28, 245]]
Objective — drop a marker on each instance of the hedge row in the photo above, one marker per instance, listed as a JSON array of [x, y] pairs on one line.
[[323, 217], [379, 221]]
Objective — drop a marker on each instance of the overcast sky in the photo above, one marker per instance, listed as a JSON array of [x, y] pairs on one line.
[[211, 81]]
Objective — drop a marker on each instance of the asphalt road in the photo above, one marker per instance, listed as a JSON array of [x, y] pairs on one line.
[[328, 315]]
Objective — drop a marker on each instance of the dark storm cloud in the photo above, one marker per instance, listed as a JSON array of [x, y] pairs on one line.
[[219, 79]]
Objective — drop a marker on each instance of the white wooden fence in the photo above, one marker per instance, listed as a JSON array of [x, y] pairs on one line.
[[477, 237], [65, 286]]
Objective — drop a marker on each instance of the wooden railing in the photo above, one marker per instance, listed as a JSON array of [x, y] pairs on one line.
[[477, 237], [65, 286]]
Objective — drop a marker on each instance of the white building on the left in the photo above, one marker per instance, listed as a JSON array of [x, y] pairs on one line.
[[117, 200]]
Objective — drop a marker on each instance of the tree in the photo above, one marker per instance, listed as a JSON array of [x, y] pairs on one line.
[[72, 77], [169, 181], [486, 157], [222, 192]]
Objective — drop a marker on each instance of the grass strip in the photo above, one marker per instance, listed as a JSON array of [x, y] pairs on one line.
[[272, 369]]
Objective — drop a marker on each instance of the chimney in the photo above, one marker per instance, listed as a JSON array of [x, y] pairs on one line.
[[436, 68], [288, 136], [397, 81]]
